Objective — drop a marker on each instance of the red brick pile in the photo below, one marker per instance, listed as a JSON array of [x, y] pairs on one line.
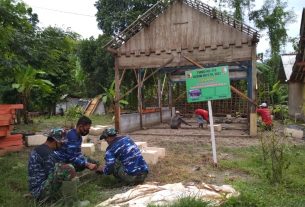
[[9, 142]]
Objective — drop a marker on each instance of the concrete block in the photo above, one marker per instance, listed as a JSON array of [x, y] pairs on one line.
[[229, 116], [102, 146], [88, 148], [85, 139], [97, 130], [141, 145], [217, 127], [150, 156], [94, 139], [35, 140], [159, 150], [296, 133]]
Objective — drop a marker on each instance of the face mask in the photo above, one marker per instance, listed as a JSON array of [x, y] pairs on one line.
[[84, 133]]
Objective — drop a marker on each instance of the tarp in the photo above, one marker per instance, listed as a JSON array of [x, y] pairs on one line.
[[142, 195]]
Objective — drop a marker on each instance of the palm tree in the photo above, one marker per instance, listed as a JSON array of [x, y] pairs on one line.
[[25, 81]]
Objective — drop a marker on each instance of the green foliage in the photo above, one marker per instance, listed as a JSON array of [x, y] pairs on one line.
[[73, 114], [26, 80], [237, 5], [17, 26], [185, 202], [108, 97], [274, 17], [114, 16], [57, 58], [255, 189], [279, 96], [244, 200], [275, 155], [96, 63]]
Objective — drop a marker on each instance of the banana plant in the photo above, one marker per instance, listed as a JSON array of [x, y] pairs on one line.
[[108, 97], [25, 81]]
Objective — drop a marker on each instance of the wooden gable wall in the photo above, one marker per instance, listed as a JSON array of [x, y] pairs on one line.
[[182, 29]]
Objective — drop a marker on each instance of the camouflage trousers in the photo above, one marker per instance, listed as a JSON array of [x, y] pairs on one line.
[[81, 168], [51, 187], [119, 173]]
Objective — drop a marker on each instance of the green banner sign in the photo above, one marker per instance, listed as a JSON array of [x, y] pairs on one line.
[[208, 84]]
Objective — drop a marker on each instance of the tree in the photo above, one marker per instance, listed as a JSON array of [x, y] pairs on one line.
[[274, 17], [238, 7], [56, 54], [96, 63], [114, 16], [26, 80], [17, 31]]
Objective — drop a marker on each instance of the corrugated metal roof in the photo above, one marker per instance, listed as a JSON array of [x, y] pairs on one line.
[[288, 62]]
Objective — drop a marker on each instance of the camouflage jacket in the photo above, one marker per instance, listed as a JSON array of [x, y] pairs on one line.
[[41, 164], [127, 152], [70, 151]]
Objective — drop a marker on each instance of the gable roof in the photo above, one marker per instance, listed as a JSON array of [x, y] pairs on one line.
[[298, 72], [287, 62], [160, 7]]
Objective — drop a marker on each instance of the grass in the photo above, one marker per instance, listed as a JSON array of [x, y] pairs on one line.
[[42, 123], [185, 202], [243, 169]]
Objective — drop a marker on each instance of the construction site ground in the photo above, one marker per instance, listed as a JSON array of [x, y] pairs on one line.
[[188, 159], [189, 151]]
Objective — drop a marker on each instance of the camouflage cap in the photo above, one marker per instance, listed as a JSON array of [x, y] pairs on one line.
[[58, 134], [108, 132]]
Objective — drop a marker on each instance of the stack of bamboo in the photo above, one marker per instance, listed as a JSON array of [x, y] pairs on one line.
[[9, 142]]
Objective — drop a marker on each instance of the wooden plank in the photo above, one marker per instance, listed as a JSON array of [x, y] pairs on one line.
[[14, 148], [231, 54], [9, 143], [92, 106], [7, 117], [11, 106], [195, 29], [5, 122]]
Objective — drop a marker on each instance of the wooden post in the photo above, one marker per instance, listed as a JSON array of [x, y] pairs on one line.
[[170, 96], [160, 96], [252, 93], [117, 112], [140, 98]]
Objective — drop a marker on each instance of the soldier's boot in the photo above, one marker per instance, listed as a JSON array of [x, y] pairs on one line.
[[69, 192]]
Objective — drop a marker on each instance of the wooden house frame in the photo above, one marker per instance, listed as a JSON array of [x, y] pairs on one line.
[[169, 36]]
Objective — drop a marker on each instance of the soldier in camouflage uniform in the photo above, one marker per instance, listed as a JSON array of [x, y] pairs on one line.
[[70, 151], [123, 158], [46, 175]]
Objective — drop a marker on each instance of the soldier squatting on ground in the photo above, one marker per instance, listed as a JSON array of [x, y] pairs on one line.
[[46, 174], [123, 159]]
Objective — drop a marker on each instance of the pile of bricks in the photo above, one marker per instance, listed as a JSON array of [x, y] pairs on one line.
[[9, 142]]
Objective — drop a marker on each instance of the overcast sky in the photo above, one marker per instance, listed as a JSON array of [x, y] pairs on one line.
[[79, 16]]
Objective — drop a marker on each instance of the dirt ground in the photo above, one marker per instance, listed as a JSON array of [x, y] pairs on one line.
[[189, 154]]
